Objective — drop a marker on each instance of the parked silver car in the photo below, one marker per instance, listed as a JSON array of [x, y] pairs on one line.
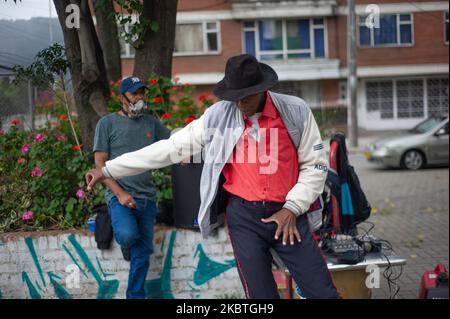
[[425, 144]]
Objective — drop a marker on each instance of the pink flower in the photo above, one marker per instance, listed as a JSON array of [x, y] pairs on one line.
[[28, 215], [2, 132], [20, 160], [61, 137], [81, 194], [16, 122], [36, 172], [25, 148], [39, 137]]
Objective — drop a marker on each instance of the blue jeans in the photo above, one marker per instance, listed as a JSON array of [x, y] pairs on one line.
[[133, 228]]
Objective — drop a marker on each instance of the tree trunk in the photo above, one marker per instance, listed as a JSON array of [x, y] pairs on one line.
[[90, 85], [155, 55], [109, 38]]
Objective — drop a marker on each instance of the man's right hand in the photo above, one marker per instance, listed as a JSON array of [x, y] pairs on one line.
[[93, 177], [126, 200]]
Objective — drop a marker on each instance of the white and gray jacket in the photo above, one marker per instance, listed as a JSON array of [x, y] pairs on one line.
[[214, 136]]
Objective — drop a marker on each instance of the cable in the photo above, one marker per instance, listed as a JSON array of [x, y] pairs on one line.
[[389, 273]]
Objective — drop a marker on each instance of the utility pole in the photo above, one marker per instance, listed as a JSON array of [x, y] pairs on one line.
[[352, 79]]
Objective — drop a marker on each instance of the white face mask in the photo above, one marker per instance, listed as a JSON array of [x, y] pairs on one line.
[[136, 110]]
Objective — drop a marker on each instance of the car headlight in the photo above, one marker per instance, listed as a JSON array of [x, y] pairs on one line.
[[383, 150]]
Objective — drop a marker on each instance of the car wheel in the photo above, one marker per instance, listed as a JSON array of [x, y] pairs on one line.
[[413, 160]]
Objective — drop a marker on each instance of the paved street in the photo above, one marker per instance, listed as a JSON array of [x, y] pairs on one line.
[[411, 210]]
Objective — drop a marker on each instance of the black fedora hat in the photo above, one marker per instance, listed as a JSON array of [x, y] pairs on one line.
[[245, 76]]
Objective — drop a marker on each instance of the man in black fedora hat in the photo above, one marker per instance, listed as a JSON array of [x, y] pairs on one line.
[[268, 150]]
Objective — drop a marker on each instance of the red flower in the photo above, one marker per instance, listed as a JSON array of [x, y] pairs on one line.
[[63, 117], [153, 82], [76, 147], [190, 119], [20, 160], [113, 93], [166, 116], [202, 97], [2, 132], [158, 99], [16, 122]]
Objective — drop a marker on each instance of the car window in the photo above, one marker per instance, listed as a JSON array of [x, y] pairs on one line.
[[426, 125]]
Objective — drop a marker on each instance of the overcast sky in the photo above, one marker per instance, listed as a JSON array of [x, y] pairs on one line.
[[26, 9]]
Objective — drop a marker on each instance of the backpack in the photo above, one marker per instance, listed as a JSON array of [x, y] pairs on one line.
[[344, 184], [361, 206]]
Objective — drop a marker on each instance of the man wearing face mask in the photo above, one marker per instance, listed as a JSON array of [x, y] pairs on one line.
[[131, 200]]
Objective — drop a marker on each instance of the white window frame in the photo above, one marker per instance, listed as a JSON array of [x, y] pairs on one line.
[[395, 98], [205, 32], [285, 52], [391, 45], [128, 54]]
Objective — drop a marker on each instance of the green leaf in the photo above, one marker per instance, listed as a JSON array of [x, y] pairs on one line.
[[70, 204], [154, 26]]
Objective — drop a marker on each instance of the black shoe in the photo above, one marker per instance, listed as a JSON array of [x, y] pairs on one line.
[[126, 253]]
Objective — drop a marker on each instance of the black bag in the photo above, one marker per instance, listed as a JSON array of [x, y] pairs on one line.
[[103, 228], [361, 206]]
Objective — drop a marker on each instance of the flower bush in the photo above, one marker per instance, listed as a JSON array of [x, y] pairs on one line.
[[174, 105], [42, 179], [42, 172]]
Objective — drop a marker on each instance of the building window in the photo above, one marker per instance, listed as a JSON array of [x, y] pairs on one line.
[[380, 97], [437, 97], [410, 99], [394, 30], [197, 38], [307, 90], [285, 39], [446, 26]]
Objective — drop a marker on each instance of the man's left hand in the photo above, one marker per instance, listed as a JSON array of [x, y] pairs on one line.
[[287, 224]]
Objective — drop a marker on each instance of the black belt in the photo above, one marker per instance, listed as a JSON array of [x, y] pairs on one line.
[[255, 203]]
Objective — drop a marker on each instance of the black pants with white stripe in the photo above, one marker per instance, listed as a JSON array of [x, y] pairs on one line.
[[251, 240]]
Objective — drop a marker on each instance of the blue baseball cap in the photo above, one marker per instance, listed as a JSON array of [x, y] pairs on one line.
[[131, 84]]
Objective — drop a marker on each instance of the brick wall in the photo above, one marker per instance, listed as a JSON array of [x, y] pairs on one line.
[[49, 264]]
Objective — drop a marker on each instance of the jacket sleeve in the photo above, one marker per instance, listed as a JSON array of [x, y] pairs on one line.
[[179, 146], [313, 168]]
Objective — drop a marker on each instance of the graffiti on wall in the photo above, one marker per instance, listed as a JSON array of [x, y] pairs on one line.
[[106, 288], [157, 288]]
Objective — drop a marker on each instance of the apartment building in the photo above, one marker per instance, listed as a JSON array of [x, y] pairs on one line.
[[402, 60]]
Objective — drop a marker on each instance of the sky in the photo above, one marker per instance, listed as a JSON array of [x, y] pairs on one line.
[[26, 9]]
